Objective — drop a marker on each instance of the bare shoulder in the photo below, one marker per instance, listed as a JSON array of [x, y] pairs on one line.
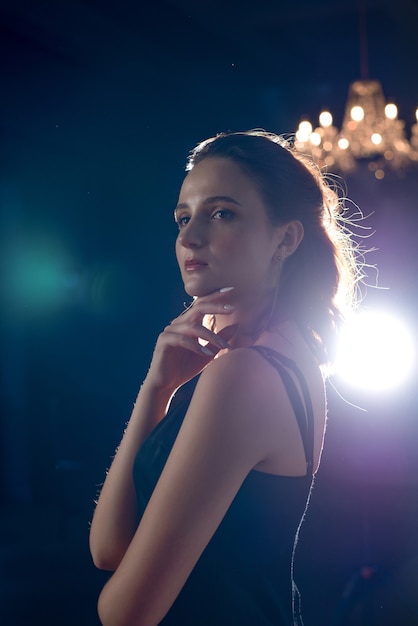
[[241, 389], [244, 394], [239, 373], [232, 410], [234, 363]]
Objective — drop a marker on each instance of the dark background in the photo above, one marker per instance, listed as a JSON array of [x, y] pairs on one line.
[[100, 103]]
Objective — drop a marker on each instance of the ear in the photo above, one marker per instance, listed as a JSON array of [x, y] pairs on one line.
[[292, 235]]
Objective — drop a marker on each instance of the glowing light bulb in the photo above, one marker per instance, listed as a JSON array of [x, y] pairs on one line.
[[376, 138], [343, 143], [416, 115], [304, 131], [305, 127], [391, 111], [315, 139], [357, 113], [325, 119]]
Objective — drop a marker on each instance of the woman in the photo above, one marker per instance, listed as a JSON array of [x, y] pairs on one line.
[[199, 513]]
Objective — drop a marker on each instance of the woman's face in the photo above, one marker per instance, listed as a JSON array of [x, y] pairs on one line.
[[225, 237]]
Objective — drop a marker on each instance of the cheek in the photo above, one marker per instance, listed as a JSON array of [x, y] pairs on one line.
[[258, 255], [177, 246], [177, 251]]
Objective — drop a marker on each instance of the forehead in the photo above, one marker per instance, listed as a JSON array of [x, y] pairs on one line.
[[219, 176]]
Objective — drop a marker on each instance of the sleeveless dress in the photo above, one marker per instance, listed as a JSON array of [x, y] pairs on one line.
[[244, 576]]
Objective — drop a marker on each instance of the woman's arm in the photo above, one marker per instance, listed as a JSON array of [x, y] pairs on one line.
[[177, 358], [226, 432], [115, 518]]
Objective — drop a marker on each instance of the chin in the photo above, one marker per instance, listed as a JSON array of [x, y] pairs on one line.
[[198, 291]]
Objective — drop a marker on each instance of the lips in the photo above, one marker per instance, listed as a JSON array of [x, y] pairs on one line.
[[192, 265]]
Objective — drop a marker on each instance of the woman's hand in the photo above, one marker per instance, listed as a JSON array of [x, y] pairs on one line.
[[178, 355]]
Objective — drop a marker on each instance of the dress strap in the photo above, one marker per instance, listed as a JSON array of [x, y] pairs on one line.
[[303, 408]]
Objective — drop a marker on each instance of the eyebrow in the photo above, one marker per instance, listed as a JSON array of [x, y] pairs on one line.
[[210, 200]]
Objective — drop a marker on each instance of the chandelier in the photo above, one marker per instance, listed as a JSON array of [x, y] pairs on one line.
[[371, 130]]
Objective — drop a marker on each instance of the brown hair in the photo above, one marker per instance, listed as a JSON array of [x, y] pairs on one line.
[[318, 281]]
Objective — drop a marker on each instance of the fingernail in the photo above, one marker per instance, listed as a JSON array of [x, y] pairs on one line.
[[206, 351], [228, 307], [225, 289]]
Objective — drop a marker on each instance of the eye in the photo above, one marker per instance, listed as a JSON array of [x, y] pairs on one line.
[[222, 214], [182, 220]]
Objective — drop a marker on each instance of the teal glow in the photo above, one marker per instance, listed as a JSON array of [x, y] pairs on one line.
[[38, 275]]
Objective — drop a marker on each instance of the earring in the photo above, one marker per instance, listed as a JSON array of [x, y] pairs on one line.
[[280, 257]]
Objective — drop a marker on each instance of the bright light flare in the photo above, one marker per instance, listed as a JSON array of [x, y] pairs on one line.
[[325, 119], [357, 113], [304, 130], [343, 143], [315, 139], [391, 111], [376, 352]]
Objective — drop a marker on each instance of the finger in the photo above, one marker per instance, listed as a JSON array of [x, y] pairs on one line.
[[199, 310], [213, 294], [196, 332], [228, 332], [225, 335], [189, 343], [210, 297]]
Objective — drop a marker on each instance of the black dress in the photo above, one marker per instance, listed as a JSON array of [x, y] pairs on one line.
[[244, 576]]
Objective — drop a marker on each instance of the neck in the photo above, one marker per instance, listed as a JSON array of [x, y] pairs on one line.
[[252, 318]]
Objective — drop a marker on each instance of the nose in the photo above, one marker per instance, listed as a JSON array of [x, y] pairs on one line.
[[193, 234]]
